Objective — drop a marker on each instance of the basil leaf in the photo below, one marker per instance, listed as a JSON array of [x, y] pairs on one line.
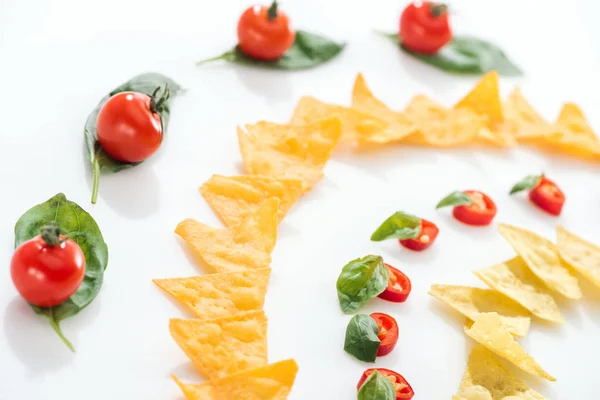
[[74, 219], [377, 387], [466, 55], [457, 198], [147, 84], [398, 226], [361, 280], [362, 341], [529, 182], [309, 50]]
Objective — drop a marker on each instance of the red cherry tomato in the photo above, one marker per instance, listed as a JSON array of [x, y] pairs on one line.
[[403, 389], [47, 274], [398, 287], [424, 27], [265, 33], [429, 232], [548, 196], [481, 211], [129, 127], [388, 333]]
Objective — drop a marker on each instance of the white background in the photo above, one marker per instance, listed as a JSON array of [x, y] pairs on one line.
[[59, 57]]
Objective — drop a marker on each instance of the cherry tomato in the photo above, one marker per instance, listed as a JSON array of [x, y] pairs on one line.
[[388, 333], [481, 211], [398, 287], [129, 127], [548, 196], [47, 269], [265, 33], [424, 27], [403, 389], [429, 232]]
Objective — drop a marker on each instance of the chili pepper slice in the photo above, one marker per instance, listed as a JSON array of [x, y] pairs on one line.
[[480, 212], [388, 333], [403, 389], [398, 287], [548, 196], [429, 232]]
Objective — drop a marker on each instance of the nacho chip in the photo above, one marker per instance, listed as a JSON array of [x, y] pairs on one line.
[[514, 280], [484, 99], [542, 258], [273, 382], [220, 295], [224, 346], [364, 100], [489, 331], [572, 118], [475, 392], [234, 198], [241, 247], [522, 120], [472, 302], [579, 254], [483, 371], [356, 125]]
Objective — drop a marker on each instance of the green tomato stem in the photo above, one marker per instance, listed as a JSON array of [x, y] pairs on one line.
[[96, 184], [60, 333], [272, 11]]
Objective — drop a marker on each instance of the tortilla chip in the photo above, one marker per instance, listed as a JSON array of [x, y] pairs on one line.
[[241, 247], [472, 302], [522, 120], [289, 151], [572, 118], [499, 137], [514, 280], [579, 254], [356, 125], [273, 382], [399, 126], [224, 346], [234, 198], [440, 126], [541, 256], [484, 99], [489, 331], [483, 371], [220, 295]]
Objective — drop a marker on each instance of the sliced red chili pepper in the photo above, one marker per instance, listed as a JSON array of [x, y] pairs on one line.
[[429, 232], [388, 333], [548, 196], [403, 389], [398, 287], [481, 211]]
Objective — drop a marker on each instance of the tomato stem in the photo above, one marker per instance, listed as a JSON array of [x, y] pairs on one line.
[[96, 184], [158, 105], [51, 234], [438, 9], [272, 11], [54, 324]]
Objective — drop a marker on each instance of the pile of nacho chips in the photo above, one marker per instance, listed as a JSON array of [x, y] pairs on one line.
[[523, 286]]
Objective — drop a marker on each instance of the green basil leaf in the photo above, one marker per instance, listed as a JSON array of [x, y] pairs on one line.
[[398, 226], [145, 83], [466, 55], [377, 387], [457, 198], [309, 50], [362, 341], [74, 219], [361, 280], [529, 182]]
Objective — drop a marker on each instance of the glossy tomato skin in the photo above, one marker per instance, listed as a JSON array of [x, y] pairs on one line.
[[127, 129], [388, 333], [480, 212], [46, 276], [421, 30], [262, 38], [429, 232], [398, 288], [548, 196], [403, 389]]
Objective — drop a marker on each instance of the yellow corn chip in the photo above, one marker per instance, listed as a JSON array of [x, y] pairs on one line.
[[542, 258], [489, 331], [234, 198], [484, 372], [514, 280], [572, 118], [224, 346], [220, 295], [356, 125], [238, 248], [499, 137], [581, 255], [472, 302], [399, 126], [273, 382], [522, 120], [484, 99]]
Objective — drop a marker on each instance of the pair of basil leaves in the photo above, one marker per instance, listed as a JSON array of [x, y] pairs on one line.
[[361, 280]]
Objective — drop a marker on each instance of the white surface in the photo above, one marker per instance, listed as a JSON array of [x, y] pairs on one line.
[[59, 57]]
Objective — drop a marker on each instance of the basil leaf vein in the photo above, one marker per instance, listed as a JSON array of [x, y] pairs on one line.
[[361, 280], [362, 341], [399, 225]]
